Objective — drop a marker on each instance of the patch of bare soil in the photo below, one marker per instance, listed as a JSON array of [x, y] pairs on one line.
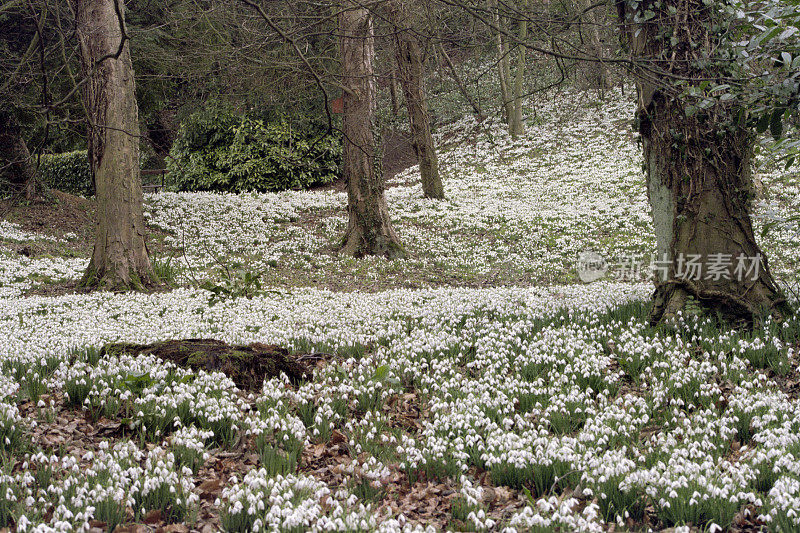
[[789, 382], [58, 214], [60, 288]]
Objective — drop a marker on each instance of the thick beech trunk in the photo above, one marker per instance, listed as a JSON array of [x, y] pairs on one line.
[[698, 178], [369, 229], [16, 166], [409, 67], [120, 259]]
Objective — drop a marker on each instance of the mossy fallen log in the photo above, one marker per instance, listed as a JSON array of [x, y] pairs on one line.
[[247, 366]]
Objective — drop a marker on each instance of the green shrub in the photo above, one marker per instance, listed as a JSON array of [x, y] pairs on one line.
[[219, 150], [68, 172]]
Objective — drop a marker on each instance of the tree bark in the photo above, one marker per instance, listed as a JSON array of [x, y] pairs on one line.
[[369, 229], [120, 260], [479, 114], [698, 174], [516, 126], [597, 72], [409, 68], [393, 90], [503, 69], [16, 166]]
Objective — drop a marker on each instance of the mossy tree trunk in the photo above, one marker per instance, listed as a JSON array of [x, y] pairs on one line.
[[410, 69], [698, 171], [369, 229], [16, 166], [120, 260]]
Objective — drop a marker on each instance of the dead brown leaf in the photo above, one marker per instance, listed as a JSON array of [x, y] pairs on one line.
[[132, 528], [173, 528], [337, 437], [209, 489], [153, 516]]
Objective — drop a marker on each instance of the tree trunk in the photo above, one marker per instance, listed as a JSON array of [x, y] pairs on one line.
[[460, 84], [597, 72], [16, 166], [409, 67], [393, 90], [369, 229], [504, 71], [120, 260], [698, 177], [516, 126]]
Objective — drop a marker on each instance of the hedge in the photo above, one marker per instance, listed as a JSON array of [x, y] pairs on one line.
[[68, 172], [219, 150]]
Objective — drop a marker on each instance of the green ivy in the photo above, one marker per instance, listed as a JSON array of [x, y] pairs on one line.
[[219, 150]]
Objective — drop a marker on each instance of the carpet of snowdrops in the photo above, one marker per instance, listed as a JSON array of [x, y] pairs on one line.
[[560, 392]]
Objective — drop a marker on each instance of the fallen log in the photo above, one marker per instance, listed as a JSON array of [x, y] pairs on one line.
[[247, 366]]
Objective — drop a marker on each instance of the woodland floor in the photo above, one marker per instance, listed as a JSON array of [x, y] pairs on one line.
[[475, 384]]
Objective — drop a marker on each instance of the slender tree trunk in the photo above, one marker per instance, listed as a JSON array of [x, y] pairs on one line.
[[16, 166], [461, 86], [698, 176], [504, 71], [409, 67], [597, 72], [516, 126], [505, 80], [393, 90], [120, 259], [475, 29], [369, 230]]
